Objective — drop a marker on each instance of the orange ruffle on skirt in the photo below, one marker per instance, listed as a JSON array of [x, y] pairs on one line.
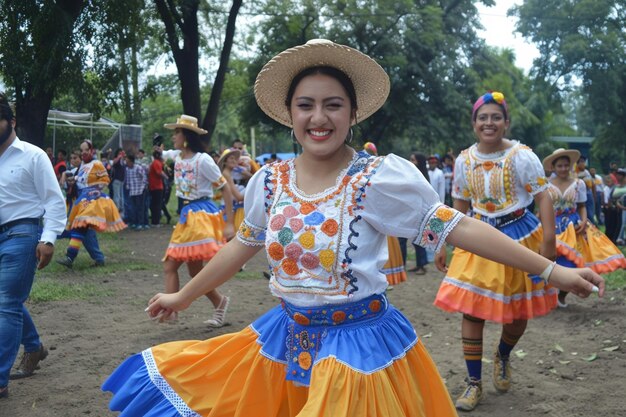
[[198, 239], [100, 214], [491, 291], [394, 268], [228, 376], [592, 249]]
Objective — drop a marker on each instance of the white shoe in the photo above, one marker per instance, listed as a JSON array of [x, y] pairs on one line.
[[219, 315]]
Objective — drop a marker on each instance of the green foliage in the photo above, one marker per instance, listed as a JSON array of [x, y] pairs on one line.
[[585, 40]]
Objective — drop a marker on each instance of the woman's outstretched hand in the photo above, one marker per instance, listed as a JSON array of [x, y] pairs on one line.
[[162, 307], [579, 281]]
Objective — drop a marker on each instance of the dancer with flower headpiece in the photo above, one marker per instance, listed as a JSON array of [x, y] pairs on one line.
[[578, 242], [334, 346], [500, 178]]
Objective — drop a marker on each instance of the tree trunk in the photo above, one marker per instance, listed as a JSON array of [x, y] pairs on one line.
[[210, 118], [134, 73], [33, 97], [32, 118], [186, 58]]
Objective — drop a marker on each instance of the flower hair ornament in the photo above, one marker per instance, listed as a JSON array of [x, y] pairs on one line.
[[494, 97]]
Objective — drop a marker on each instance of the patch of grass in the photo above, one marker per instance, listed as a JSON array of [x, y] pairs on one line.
[[249, 275], [49, 290]]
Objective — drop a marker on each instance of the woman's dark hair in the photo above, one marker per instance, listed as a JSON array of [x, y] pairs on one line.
[[6, 110], [332, 72], [567, 158], [421, 164], [193, 141], [157, 155]]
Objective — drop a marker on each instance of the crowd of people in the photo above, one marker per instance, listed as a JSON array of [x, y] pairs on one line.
[[335, 223]]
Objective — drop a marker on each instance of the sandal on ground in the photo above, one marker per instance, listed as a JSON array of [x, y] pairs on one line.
[[219, 315], [420, 271]]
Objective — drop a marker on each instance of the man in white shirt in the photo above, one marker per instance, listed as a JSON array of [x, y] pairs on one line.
[[437, 179], [29, 191]]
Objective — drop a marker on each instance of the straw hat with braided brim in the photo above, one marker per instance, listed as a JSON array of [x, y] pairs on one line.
[[571, 154], [370, 81], [186, 122], [226, 154]]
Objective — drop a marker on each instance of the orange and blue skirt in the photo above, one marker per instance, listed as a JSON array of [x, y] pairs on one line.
[[394, 268], [591, 249], [357, 359], [239, 214], [198, 235], [491, 291], [96, 210]]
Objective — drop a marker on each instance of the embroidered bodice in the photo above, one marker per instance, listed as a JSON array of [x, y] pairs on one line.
[[330, 247], [498, 183], [196, 177], [567, 200], [92, 174]]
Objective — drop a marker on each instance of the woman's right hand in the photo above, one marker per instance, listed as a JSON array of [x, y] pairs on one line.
[[162, 306], [579, 281], [440, 259]]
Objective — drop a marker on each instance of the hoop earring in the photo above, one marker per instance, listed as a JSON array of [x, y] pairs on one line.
[[293, 138], [350, 137]]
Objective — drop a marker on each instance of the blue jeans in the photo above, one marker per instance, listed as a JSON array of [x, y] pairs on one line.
[[420, 253], [90, 242], [590, 206], [17, 272]]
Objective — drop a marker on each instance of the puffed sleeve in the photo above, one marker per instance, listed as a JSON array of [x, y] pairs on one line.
[[581, 191], [460, 188], [256, 200], [530, 171], [210, 171], [400, 202]]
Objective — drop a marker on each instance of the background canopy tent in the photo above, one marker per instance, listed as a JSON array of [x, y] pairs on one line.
[[127, 137]]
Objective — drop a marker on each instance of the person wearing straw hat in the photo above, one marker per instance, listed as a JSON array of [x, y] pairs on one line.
[[229, 161], [578, 242], [201, 230], [334, 346], [498, 178]]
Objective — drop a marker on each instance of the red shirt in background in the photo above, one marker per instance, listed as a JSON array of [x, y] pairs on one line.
[[155, 177]]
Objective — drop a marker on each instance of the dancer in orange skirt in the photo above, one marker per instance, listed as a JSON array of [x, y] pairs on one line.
[[201, 231], [578, 242], [334, 346], [500, 178], [92, 208]]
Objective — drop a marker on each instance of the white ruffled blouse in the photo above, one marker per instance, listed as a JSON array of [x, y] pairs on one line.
[[498, 183], [328, 248]]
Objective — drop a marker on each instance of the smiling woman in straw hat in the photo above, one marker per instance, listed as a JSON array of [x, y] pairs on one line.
[[334, 346], [578, 242], [201, 230]]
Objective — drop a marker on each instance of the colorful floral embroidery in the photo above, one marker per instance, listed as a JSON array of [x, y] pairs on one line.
[[251, 235], [434, 228], [330, 227]]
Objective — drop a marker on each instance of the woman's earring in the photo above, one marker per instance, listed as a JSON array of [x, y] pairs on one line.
[[185, 144], [350, 137], [293, 137]]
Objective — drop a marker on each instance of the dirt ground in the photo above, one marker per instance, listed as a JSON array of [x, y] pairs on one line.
[[554, 370]]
